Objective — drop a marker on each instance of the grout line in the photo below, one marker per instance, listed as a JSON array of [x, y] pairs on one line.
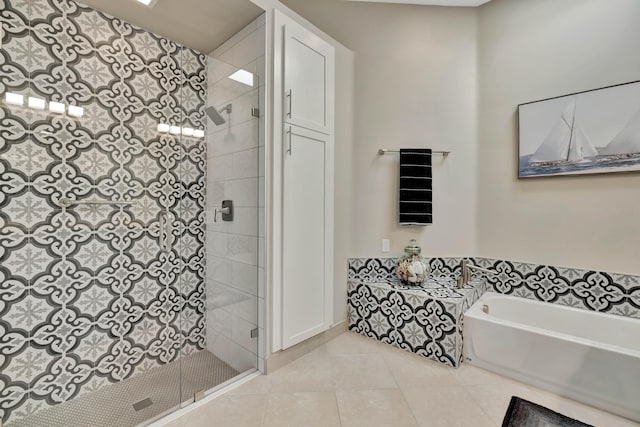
[[470, 396], [413, 414], [231, 153]]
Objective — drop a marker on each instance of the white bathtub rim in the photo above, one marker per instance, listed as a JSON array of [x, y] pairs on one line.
[[476, 312]]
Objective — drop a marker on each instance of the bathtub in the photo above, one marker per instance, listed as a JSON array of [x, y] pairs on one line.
[[587, 356]]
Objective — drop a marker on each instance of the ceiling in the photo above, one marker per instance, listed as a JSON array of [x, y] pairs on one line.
[[432, 2], [199, 24]]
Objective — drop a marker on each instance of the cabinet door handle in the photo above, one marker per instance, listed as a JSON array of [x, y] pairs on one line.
[[289, 151], [290, 96]]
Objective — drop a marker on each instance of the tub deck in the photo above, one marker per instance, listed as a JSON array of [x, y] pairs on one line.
[[425, 320]]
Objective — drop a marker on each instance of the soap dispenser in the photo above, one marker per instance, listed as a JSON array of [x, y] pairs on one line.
[[412, 269]]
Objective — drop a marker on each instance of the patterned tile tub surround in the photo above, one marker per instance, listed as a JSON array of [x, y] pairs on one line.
[[380, 311], [86, 297], [611, 293], [425, 320]]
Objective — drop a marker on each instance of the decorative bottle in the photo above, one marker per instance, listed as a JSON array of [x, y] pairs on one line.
[[412, 269]]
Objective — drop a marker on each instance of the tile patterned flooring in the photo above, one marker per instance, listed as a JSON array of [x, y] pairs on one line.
[[355, 381], [112, 405]]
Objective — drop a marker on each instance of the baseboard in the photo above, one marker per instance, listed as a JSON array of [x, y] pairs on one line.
[[284, 357]]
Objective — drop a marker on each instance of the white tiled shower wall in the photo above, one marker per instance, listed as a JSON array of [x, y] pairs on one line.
[[235, 171]]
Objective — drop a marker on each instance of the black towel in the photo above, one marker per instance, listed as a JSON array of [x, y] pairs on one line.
[[415, 187]]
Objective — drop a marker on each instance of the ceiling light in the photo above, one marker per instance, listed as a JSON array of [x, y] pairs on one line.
[[37, 103], [163, 127], [187, 131], [175, 130], [242, 76], [198, 133], [75, 111], [148, 3], [57, 107], [14, 98]]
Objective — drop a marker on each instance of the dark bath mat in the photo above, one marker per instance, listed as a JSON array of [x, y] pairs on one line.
[[522, 413]]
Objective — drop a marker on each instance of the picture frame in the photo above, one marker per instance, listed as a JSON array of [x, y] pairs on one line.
[[583, 133]]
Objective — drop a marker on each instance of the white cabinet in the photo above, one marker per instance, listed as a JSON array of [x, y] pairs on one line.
[[308, 79], [304, 294], [302, 191]]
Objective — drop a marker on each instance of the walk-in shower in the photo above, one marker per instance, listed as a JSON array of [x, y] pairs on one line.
[[120, 298]]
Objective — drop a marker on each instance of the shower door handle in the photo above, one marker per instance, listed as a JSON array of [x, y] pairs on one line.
[[290, 97]]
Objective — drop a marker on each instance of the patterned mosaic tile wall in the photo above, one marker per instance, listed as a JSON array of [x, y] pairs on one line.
[[425, 321], [611, 293], [590, 290], [86, 296], [371, 269], [429, 321]]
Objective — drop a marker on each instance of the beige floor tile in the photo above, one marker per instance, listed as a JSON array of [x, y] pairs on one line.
[[445, 407], [374, 408], [494, 398], [377, 385], [302, 410], [360, 371], [258, 385], [470, 375], [410, 370], [226, 411], [350, 343], [311, 372]]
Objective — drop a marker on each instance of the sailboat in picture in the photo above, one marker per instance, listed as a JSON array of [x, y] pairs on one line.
[[565, 143], [591, 132], [626, 144]]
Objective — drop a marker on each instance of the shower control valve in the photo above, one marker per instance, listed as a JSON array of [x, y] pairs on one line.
[[226, 211]]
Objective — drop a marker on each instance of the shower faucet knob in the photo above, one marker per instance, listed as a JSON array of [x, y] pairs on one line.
[[226, 211]]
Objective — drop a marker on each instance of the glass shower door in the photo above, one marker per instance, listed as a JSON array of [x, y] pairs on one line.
[[90, 267], [234, 152], [122, 294]]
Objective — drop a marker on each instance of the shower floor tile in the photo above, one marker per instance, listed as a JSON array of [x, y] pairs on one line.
[[113, 405]]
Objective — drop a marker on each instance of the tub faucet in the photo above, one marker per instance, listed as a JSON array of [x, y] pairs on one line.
[[465, 272]]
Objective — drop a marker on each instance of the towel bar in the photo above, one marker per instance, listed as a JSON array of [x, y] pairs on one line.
[[384, 151]]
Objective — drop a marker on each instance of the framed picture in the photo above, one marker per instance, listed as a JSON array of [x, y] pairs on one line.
[[592, 132]]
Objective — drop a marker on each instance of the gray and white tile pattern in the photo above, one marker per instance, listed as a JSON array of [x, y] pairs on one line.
[[606, 292], [86, 296], [426, 320]]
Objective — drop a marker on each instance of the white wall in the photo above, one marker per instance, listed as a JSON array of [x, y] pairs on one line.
[[530, 50], [343, 196], [415, 86], [235, 171]]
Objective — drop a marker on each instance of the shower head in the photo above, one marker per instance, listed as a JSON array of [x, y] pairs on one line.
[[215, 116]]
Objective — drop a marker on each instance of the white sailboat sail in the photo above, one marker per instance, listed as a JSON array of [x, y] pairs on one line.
[[627, 141], [588, 149], [581, 146], [555, 146]]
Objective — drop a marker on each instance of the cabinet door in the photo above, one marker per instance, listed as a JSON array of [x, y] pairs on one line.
[[308, 79], [304, 285]]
